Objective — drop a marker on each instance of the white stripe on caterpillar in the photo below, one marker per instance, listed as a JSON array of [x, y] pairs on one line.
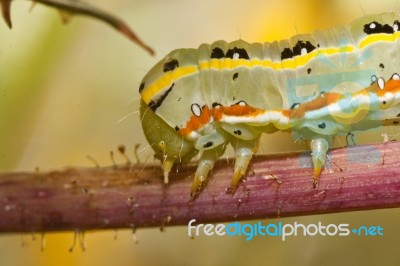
[[316, 85]]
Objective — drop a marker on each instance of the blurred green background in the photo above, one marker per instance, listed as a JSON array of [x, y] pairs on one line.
[[71, 91]]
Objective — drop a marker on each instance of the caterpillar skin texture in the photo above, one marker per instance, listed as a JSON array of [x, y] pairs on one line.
[[314, 85]]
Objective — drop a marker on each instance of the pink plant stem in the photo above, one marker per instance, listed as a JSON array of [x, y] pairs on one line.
[[358, 178]]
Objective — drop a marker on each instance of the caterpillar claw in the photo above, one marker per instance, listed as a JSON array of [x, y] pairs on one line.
[[317, 174], [238, 173], [244, 151], [319, 147], [199, 179], [206, 163], [242, 160]]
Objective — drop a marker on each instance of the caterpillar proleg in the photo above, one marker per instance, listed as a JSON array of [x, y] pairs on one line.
[[315, 85]]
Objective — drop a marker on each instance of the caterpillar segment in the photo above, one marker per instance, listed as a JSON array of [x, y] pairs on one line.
[[315, 86]]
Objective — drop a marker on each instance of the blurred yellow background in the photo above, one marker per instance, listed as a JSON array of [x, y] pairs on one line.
[[71, 91]]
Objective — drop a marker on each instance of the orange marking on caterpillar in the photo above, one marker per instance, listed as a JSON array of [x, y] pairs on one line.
[[197, 122]]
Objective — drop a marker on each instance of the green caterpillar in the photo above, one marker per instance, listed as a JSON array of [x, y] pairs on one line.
[[315, 85]]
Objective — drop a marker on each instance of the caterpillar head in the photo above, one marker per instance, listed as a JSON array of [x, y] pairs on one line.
[[169, 146]]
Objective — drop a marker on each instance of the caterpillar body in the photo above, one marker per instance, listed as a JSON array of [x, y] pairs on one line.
[[315, 85]]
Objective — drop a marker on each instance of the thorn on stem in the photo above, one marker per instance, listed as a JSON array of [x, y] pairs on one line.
[[65, 16], [113, 160], [5, 6], [68, 8], [93, 160], [122, 149]]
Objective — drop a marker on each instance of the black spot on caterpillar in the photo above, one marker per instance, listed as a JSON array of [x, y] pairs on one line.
[[299, 49], [375, 27], [217, 53], [208, 144], [154, 104], [171, 65], [238, 53], [141, 87]]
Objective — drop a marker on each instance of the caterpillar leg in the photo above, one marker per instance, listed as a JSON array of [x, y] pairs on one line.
[[244, 150], [206, 164], [319, 147], [167, 165]]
